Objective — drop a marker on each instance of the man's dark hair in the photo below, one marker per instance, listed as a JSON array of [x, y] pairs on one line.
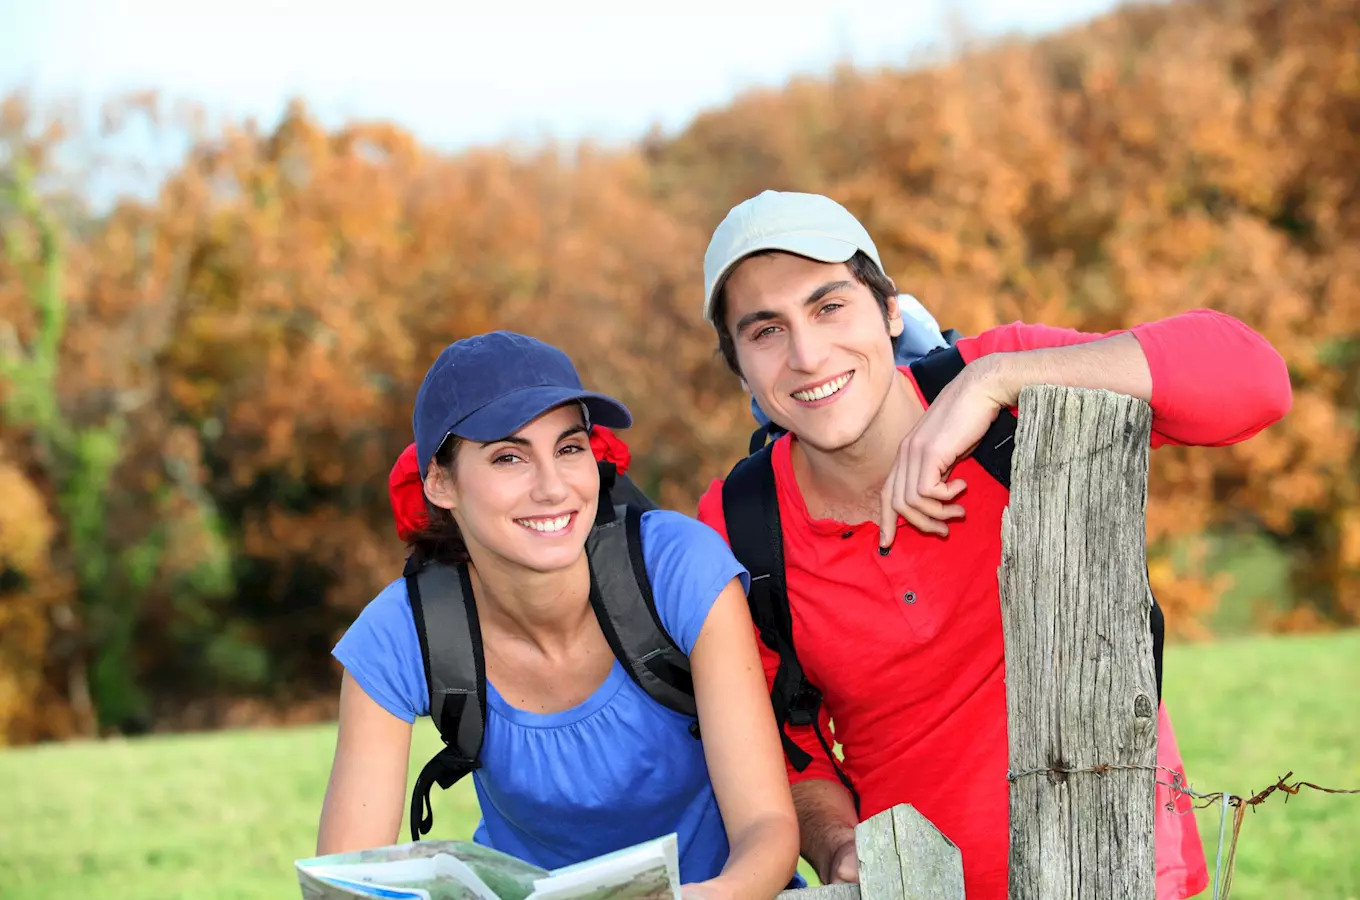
[[862, 268], [440, 540]]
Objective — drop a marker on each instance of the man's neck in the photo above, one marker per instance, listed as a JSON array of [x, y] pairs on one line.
[[844, 484]]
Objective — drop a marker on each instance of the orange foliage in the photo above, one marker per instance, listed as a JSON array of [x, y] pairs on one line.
[[264, 319]]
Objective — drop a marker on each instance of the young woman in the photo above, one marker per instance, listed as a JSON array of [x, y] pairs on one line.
[[577, 759]]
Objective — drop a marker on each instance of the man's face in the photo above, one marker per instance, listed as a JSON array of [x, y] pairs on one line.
[[812, 346]]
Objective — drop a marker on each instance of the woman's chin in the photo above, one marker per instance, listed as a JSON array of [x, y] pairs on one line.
[[539, 558]]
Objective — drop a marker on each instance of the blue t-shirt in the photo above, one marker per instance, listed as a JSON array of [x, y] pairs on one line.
[[619, 768]]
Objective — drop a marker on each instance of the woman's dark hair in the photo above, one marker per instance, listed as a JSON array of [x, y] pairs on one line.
[[864, 270], [440, 540]]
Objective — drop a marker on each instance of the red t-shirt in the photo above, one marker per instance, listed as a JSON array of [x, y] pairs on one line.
[[907, 648]]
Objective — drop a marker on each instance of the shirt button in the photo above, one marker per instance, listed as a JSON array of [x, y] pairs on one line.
[[909, 597]]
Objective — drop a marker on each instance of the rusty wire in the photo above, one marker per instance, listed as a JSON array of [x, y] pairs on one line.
[[1178, 787]]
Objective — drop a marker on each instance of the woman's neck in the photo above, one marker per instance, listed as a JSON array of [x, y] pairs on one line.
[[546, 609]]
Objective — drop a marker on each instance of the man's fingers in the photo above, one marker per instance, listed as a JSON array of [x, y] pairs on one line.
[[845, 866], [934, 508], [887, 506], [941, 490], [923, 522], [912, 478], [890, 500]]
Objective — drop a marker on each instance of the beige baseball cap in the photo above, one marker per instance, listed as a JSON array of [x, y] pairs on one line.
[[808, 225]]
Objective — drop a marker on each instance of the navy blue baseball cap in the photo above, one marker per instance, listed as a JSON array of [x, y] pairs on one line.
[[487, 387]]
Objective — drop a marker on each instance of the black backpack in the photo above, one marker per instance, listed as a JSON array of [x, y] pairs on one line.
[[451, 639], [751, 509]]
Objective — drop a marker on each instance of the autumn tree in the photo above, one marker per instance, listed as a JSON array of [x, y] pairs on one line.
[[205, 383]]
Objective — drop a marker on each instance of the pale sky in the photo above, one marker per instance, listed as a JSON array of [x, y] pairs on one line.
[[455, 73]]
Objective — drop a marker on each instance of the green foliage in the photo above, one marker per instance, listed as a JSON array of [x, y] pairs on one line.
[[82, 461]]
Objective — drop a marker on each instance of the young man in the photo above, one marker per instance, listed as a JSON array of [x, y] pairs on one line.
[[891, 531]]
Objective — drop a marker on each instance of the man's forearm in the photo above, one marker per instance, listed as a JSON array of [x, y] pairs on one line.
[[1114, 363], [826, 820]]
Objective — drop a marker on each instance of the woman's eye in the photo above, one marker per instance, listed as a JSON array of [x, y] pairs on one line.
[[505, 459], [571, 448]]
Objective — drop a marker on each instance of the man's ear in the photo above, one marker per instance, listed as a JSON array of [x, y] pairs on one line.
[[745, 387], [895, 323]]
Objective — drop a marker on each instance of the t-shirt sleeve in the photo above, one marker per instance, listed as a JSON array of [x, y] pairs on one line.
[[688, 564], [382, 652]]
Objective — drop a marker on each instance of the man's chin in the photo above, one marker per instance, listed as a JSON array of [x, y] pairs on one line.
[[829, 439]]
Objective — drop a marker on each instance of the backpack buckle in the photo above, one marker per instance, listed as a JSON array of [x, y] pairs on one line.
[[803, 708]]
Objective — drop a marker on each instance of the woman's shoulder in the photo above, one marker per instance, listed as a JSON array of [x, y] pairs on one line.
[[688, 565], [382, 651], [392, 599], [674, 532], [388, 609]]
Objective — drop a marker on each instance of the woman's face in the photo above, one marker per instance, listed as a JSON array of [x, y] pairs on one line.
[[528, 499]]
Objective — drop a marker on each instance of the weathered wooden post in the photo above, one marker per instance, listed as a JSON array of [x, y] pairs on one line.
[[902, 856], [1080, 684]]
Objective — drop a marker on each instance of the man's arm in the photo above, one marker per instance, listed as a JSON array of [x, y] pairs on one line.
[[1209, 379], [826, 826], [1116, 363]]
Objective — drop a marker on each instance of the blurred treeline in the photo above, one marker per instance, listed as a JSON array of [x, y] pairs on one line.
[[203, 389]]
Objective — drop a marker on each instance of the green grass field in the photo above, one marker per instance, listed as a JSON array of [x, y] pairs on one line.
[[224, 815]]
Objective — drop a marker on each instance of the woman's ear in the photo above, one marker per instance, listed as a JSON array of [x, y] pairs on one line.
[[439, 487]]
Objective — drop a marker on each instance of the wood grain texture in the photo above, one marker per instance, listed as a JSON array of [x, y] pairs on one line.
[[824, 892], [903, 856], [1080, 684]]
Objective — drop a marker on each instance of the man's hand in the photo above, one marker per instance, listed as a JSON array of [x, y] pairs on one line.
[[843, 865], [918, 485], [827, 821]]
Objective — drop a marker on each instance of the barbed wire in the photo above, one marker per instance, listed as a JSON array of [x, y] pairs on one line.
[[1178, 787]]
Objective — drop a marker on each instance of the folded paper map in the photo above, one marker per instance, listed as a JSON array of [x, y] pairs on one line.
[[460, 870]]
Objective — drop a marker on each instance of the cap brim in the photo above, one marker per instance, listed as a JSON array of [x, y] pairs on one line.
[[513, 411], [813, 246]]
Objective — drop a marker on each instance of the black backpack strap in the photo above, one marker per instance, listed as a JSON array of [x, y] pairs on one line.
[[751, 510], [760, 437], [939, 367], [455, 670], [621, 595], [617, 489]]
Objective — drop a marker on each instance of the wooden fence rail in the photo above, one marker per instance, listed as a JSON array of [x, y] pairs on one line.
[[902, 856]]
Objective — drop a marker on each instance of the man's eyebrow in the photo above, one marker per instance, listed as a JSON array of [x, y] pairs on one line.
[[761, 315], [829, 287], [764, 315]]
